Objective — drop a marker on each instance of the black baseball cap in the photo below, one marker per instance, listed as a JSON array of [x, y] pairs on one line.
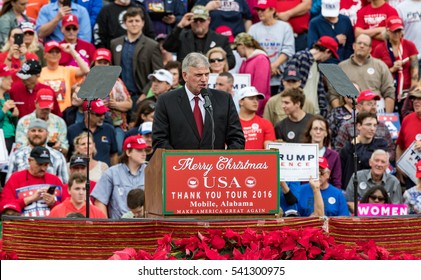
[[41, 154], [291, 73], [78, 160]]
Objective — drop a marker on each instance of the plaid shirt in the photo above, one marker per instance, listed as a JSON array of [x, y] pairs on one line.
[[346, 133], [336, 118], [303, 60]]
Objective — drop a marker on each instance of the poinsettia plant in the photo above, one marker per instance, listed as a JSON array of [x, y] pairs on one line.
[[285, 244]]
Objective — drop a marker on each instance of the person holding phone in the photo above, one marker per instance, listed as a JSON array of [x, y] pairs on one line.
[[11, 14], [15, 53], [9, 112], [29, 186], [50, 18]]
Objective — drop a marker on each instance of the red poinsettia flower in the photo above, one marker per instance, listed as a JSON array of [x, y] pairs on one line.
[[217, 242], [126, 254]]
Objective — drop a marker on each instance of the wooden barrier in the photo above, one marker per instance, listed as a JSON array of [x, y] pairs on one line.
[[86, 239]]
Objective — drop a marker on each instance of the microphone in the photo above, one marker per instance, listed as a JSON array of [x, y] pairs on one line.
[[208, 104], [208, 107]]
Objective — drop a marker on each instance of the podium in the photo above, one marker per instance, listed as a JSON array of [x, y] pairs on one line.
[[212, 184]]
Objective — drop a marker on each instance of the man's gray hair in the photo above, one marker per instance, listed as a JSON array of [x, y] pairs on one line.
[[379, 152], [194, 59]]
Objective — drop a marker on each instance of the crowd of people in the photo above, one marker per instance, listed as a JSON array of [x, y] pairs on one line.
[[57, 142]]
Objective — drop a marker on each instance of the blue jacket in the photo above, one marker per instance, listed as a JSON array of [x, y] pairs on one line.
[[320, 26]]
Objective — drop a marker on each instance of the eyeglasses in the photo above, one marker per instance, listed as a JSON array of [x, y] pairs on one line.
[[213, 60], [375, 197], [322, 171], [318, 129], [200, 20], [98, 115], [74, 28], [30, 33]]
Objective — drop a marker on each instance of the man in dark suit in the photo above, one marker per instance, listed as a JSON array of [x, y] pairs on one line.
[[137, 54], [181, 121], [197, 39]]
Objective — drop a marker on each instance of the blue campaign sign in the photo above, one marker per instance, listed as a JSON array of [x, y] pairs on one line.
[[391, 120]]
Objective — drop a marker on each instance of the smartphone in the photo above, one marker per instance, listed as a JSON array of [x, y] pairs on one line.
[[67, 3], [51, 189], [51, 144], [18, 39]]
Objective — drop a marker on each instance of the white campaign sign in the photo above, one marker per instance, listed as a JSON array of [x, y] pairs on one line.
[[240, 81], [408, 160], [4, 157], [297, 162]]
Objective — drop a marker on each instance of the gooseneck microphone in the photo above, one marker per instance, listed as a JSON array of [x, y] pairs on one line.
[[208, 107]]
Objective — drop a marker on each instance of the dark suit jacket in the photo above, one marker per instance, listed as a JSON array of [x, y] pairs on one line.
[[182, 42], [147, 58], [174, 126]]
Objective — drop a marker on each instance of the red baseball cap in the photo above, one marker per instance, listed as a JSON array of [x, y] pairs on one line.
[[45, 98], [97, 107], [70, 19], [323, 163], [226, 31], [4, 70], [14, 205], [418, 166], [367, 95], [264, 4], [102, 54], [51, 45], [330, 44], [394, 23], [135, 142]]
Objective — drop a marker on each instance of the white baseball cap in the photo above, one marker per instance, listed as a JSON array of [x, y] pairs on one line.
[[249, 92], [330, 8], [161, 75]]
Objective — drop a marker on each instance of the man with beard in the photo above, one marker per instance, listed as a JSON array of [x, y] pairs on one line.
[[103, 133], [368, 72], [37, 137], [56, 126], [33, 190], [197, 39]]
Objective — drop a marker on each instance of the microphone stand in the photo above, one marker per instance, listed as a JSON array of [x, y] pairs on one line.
[[208, 107], [355, 180], [88, 183]]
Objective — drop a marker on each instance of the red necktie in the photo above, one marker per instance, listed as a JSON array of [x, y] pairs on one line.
[[198, 115]]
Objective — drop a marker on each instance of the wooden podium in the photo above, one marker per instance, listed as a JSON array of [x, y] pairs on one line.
[[212, 184]]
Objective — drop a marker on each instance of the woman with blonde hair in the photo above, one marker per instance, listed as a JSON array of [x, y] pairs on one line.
[[256, 63], [14, 54], [96, 167], [218, 60], [30, 38]]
